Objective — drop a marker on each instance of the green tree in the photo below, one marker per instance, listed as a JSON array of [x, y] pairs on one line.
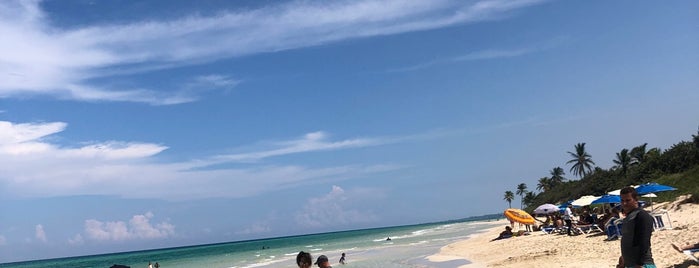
[[557, 175], [582, 161], [544, 184], [529, 199], [638, 154], [623, 160], [509, 196], [521, 191]]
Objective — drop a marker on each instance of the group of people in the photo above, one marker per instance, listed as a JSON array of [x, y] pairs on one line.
[[636, 229], [304, 260], [157, 265]]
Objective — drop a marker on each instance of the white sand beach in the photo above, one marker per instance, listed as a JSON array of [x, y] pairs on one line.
[[587, 250]]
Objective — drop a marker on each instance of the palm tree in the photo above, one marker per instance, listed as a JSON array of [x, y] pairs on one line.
[[638, 154], [529, 198], [544, 184], [557, 175], [623, 159], [509, 196], [521, 191], [582, 162]]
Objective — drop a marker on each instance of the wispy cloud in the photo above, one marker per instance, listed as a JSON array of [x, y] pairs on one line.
[[488, 54], [33, 166], [36, 57], [311, 142]]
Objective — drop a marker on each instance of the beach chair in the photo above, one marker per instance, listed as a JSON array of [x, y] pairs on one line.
[[614, 229], [690, 254], [589, 228], [658, 222]]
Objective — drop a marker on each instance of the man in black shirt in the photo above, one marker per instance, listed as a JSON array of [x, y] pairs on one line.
[[635, 232]]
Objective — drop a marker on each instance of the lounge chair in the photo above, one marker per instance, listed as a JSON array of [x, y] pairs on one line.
[[589, 228], [689, 252], [613, 229]]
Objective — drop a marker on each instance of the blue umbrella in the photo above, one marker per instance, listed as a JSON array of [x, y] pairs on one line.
[[607, 199], [653, 188]]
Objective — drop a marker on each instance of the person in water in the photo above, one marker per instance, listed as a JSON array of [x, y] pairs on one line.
[[323, 262], [342, 259], [304, 260]]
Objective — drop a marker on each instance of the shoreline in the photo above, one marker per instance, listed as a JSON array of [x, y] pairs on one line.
[[586, 250]]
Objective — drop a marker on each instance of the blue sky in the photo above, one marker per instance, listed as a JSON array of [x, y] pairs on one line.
[[127, 126]]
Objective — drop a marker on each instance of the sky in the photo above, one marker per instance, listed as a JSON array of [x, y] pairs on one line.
[[128, 125]]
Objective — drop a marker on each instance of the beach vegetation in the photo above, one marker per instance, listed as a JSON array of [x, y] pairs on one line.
[[509, 196], [623, 160], [582, 161], [521, 191], [677, 166]]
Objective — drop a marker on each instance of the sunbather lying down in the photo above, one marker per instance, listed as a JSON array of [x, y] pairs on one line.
[[686, 247], [688, 250], [504, 234]]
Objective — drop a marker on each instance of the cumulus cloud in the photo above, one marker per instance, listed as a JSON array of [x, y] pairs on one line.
[[137, 228], [34, 166], [331, 210], [37, 57], [40, 234]]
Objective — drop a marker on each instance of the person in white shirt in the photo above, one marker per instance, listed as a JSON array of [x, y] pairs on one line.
[[568, 218]]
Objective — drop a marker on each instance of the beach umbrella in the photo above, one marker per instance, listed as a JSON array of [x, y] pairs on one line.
[[653, 188], [584, 201], [607, 199], [546, 209], [518, 215], [618, 191], [650, 199], [565, 205]]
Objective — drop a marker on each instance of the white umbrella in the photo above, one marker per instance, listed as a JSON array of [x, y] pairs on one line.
[[584, 201], [650, 199], [546, 209], [618, 191]]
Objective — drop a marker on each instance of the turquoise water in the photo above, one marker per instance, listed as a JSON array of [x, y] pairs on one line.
[[408, 247]]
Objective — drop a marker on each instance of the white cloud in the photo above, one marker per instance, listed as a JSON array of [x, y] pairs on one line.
[[76, 240], [32, 166], [40, 234], [331, 210], [36, 57], [137, 228], [311, 142], [3, 240]]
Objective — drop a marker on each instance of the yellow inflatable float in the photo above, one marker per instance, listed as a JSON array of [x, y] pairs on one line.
[[518, 215]]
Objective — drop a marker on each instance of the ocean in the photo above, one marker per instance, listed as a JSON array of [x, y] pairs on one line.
[[408, 247]]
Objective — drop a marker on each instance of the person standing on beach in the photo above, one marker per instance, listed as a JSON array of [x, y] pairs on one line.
[[150, 265], [568, 218], [304, 260], [636, 230]]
